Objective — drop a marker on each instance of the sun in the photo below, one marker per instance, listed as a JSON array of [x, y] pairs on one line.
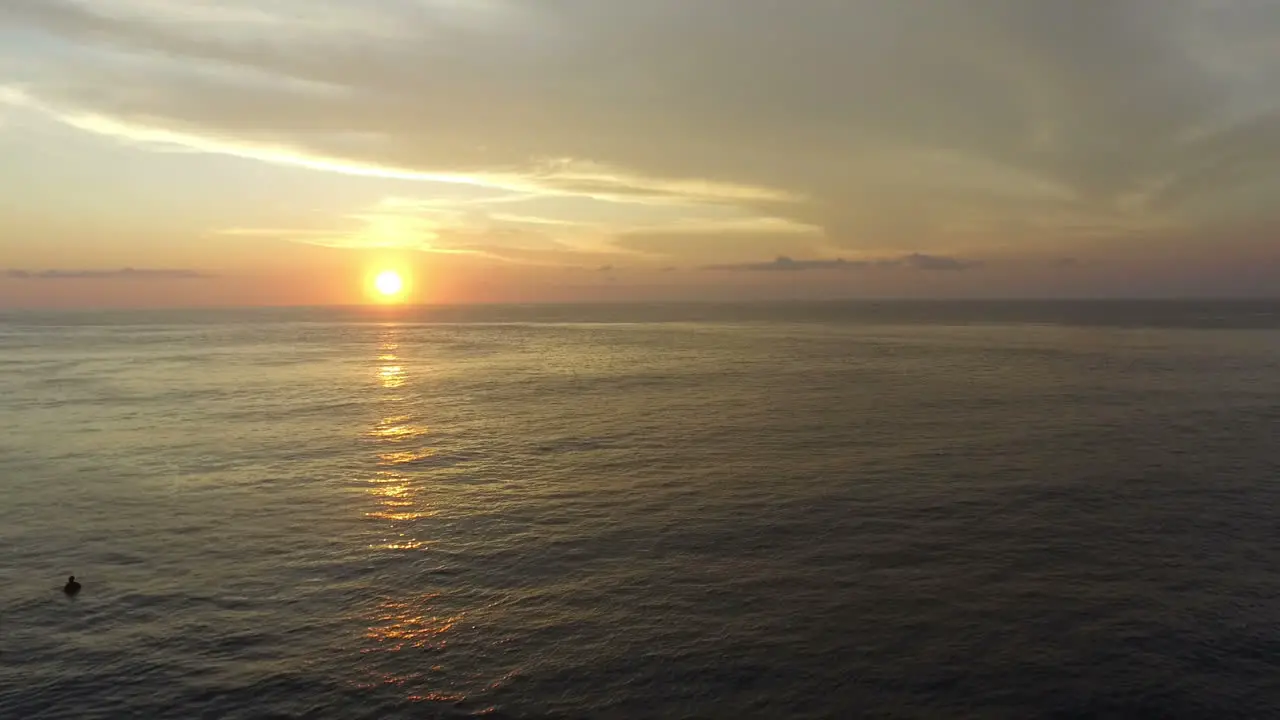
[[388, 284]]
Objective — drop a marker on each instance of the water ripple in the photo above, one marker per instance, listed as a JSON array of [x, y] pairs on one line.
[[782, 519]]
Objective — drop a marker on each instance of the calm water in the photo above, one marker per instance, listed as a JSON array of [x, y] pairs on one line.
[[914, 510]]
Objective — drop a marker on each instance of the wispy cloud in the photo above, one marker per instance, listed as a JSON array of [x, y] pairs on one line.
[[120, 274], [936, 262], [914, 261], [460, 226], [537, 177], [869, 128]]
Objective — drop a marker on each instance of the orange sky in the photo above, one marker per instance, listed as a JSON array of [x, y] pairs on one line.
[[239, 153]]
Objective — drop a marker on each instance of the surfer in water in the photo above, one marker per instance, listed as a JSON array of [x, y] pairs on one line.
[[72, 587]]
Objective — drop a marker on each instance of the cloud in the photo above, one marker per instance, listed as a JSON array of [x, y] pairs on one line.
[[785, 264], [935, 262], [121, 274], [700, 248], [495, 226], [875, 127], [914, 261]]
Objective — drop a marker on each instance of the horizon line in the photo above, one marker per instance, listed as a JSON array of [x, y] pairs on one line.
[[393, 309]]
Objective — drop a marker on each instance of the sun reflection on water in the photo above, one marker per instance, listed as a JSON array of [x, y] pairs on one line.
[[404, 457], [396, 438], [401, 625], [399, 427], [400, 501], [392, 376]]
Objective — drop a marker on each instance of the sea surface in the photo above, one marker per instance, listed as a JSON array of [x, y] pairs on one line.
[[907, 510]]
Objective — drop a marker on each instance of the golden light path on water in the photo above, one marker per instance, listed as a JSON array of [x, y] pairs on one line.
[[400, 443]]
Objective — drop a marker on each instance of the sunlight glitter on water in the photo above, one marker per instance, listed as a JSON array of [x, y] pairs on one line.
[[764, 521], [400, 499], [392, 376], [397, 429], [401, 625], [405, 457]]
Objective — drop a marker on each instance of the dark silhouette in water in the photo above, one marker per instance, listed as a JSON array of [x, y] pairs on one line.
[[72, 587]]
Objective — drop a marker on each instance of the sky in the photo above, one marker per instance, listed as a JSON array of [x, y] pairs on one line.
[[232, 152]]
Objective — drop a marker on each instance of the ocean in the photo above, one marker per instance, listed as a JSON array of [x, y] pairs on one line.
[[809, 510]]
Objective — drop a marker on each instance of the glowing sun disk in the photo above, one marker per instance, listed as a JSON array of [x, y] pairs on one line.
[[388, 283]]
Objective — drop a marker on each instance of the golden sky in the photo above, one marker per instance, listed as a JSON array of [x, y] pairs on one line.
[[279, 151]]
